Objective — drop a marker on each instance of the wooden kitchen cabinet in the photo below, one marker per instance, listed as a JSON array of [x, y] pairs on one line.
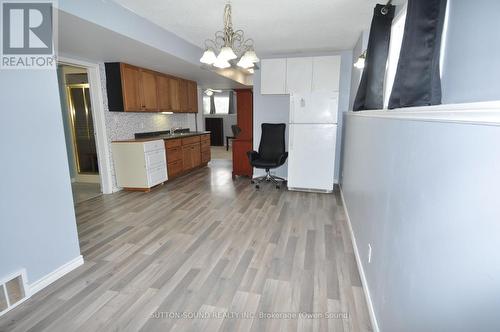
[[131, 85], [174, 95], [192, 97], [183, 96], [191, 156], [163, 84], [186, 154], [134, 89], [149, 89]]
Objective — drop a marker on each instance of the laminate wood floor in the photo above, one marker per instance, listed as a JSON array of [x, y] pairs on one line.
[[205, 253]]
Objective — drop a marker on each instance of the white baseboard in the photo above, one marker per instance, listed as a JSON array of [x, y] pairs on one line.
[[364, 282], [43, 282]]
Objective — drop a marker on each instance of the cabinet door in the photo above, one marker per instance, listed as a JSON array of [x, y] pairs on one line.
[[149, 91], [183, 95], [187, 158], [298, 75], [131, 87], [326, 73], [192, 97], [196, 154], [174, 95], [273, 76], [163, 93]]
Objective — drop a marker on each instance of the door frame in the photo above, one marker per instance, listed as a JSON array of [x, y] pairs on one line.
[[97, 100]]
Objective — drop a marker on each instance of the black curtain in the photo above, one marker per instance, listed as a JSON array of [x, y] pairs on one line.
[[418, 81], [371, 88], [212, 104], [231, 109]]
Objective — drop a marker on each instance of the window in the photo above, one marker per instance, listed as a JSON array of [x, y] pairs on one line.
[[397, 32], [221, 100]]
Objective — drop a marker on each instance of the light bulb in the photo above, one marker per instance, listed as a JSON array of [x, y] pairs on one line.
[[250, 55], [227, 53], [245, 62], [208, 57], [221, 63]]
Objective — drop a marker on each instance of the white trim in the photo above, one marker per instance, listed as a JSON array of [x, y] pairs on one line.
[[483, 113], [364, 281], [94, 76], [43, 282]]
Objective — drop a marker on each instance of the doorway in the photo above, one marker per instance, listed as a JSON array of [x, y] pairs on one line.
[[220, 118], [78, 120]]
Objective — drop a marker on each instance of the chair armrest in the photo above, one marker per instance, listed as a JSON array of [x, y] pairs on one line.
[[283, 158], [252, 155]]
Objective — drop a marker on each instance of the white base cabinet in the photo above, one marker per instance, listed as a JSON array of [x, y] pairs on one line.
[[139, 165]]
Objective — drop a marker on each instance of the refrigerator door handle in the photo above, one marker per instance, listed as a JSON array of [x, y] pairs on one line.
[[291, 140], [292, 109]]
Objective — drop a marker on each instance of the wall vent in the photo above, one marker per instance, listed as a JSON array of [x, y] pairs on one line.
[[12, 292]]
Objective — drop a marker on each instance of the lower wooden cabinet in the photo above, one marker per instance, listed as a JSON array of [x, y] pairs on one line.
[[191, 156], [241, 164], [186, 154]]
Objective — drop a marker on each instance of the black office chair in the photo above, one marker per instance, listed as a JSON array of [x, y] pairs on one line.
[[271, 153]]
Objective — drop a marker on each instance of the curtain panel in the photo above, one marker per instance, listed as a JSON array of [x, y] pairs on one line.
[[418, 81], [370, 93]]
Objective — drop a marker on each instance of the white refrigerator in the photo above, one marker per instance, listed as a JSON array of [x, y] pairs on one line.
[[312, 141]]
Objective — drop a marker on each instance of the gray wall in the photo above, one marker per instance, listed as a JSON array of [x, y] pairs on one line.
[[425, 196], [275, 108], [37, 219], [471, 70]]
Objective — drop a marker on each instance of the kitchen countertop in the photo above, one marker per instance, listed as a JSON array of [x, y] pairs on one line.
[[164, 137]]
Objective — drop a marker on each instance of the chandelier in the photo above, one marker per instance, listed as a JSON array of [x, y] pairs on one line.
[[230, 45]]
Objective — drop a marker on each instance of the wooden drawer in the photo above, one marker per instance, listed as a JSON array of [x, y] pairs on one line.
[[205, 137], [174, 169], [191, 140], [174, 154], [172, 143], [205, 145], [205, 156]]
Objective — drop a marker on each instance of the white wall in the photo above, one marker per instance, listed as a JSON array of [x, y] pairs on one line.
[[471, 70], [425, 196], [37, 218]]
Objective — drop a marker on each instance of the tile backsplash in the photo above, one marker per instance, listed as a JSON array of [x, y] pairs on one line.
[[121, 125]]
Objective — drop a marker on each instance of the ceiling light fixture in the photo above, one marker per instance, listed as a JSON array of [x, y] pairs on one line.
[[360, 64], [230, 45]]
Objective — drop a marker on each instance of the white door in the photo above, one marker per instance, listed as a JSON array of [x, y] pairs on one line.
[[317, 107], [273, 76], [326, 73], [298, 75], [311, 160]]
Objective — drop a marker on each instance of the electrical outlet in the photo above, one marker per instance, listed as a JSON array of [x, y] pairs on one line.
[[369, 253]]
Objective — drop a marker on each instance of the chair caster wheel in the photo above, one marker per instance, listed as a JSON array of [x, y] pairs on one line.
[[257, 187], [278, 187], [252, 181]]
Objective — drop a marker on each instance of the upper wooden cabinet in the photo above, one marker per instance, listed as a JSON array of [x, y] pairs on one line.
[[183, 95], [149, 91], [192, 97], [131, 86], [164, 99], [134, 89], [174, 95]]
